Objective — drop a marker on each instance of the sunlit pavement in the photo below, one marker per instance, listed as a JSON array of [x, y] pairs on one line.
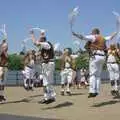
[[24, 105]]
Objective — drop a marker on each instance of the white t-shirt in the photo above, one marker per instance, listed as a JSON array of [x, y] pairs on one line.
[[91, 38], [44, 45]]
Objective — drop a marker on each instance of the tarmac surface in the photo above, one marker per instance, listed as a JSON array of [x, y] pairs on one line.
[[24, 105]]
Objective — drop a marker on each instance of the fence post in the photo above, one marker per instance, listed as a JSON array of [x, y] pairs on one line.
[[17, 82], [54, 77]]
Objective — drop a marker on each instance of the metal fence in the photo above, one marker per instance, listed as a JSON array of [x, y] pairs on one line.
[[16, 77]]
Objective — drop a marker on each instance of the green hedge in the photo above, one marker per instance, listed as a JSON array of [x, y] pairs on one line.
[[15, 62]]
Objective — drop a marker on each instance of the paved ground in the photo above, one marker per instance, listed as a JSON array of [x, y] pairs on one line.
[[23, 105]]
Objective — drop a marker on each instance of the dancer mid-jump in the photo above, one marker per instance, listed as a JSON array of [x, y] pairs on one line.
[[48, 66], [97, 59], [3, 64]]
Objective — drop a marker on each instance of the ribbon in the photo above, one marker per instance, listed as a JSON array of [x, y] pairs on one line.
[[116, 38], [72, 16], [3, 31]]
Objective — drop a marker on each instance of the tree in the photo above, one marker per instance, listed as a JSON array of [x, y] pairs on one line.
[[57, 64], [83, 60], [15, 62]]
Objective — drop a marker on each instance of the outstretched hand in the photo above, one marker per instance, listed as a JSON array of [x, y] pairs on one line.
[[31, 32], [113, 35], [73, 33], [78, 35]]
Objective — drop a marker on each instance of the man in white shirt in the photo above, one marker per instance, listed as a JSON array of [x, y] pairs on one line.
[[48, 67], [97, 59]]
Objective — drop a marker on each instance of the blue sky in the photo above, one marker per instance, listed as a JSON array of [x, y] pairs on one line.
[[20, 15]]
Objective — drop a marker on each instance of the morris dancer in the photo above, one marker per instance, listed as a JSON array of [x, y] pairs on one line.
[[66, 72], [113, 68], [3, 63], [97, 59], [48, 67], [28, 70], [74, 69], [83, 81], [38, 70], [3, 51]]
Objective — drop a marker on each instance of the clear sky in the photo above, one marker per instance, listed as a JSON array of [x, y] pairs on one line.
[[20, 15]]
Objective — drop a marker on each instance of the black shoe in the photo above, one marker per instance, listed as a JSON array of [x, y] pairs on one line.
[[68, 93], [50, 100], [43, 101], [2, 98], [113, 92], [117, 93], [92, 95], [31, 88]]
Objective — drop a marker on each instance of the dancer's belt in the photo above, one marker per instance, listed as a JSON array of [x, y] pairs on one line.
[[46, 61], [30, 66], [111, 62], [67, 67], [98, 54]]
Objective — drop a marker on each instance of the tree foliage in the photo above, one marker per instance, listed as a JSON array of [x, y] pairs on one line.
[[57, 64], [83, 60], [15, 62]]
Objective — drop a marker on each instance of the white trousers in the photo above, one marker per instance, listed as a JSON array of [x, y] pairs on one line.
[[1, 81], [66, 76], [113, 69], [48, 79], [28, 76], [95, 68]]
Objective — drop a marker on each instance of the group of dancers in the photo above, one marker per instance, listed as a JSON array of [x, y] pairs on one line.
[[44, 60], [100, 54]]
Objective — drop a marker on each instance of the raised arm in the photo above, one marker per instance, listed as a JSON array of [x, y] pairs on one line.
[[82, 37], [33, 37], [45, 45], [111, 36], [78, 35]]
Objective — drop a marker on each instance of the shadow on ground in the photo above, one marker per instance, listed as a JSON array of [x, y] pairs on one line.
[[33, 96], [25, 100], [75, 94], [64, 104], [102, 104], [15, 117]]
